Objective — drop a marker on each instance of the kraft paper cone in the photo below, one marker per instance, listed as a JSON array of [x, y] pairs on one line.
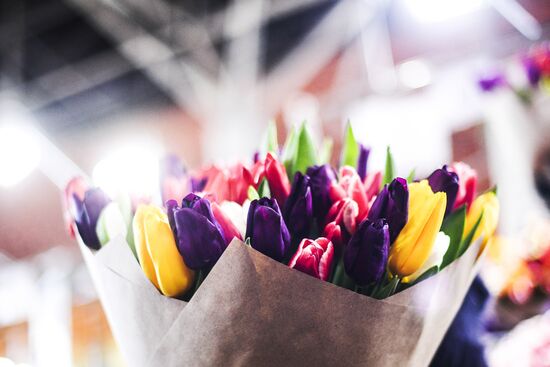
[[253, 311], [138, 314]]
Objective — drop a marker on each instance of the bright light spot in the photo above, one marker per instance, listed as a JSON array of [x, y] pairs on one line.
[[133, 169], [414, 74], [6, 362], [19, 154], [441, 10]]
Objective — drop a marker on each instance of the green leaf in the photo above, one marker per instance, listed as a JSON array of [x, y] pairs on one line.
[[263, 189], [494, 189], [388, 289], [307, 153], [290, 150], [453, 226], [389, 173], [271, 143], [252, 193], [467, 240], [411, 176], [350, 150], [326, 151]]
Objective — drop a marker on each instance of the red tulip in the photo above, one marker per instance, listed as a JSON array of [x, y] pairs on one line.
[[350, 186], [275, 174], [467, 181], [314, 257], [230, 183], [230, 230], [345, 213]]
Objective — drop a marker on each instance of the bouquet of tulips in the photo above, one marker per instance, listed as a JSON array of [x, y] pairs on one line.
[[284, 260]]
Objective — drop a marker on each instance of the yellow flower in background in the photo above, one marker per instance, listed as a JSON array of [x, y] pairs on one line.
[[488, 205], [157, 252], [414, 244]]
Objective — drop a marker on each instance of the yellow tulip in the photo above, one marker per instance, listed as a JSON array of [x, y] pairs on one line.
[[157, 252], [414, 244], [488, 205]]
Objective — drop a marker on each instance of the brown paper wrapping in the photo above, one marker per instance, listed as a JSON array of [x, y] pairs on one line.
[[253, 311]]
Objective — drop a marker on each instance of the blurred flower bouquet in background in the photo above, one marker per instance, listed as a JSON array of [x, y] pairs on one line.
[[284, 260]]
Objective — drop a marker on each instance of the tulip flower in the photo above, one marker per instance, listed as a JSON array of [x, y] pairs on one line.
[[321, 179], [333, 232], [392, 204], [488, 207], [351, 186], [366, 254], [87, 213], [467, 181], [362, 161], [76, 186], [200, 238], [266, 229], [174, 182], [439, 249], [275, 174], [230, 184], [298, 211], [230, 230], [314, 257], [414, 244], [444, 180], [158, 254], [237, 213], [345, 213]]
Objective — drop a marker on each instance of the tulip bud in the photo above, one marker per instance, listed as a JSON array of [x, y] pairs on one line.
[[157, 252], [298, 211], [345, 213], [200, 238], [392, 204], [414, 244], [444, 180], [87, 213], [334, 234], [275, 174], [314, 257], [488, 206], [362, 161], [230, 231], [266, 229], [439, 249], [366, 254], [321, 178], [467, 181], [76, 186], [351, 186]]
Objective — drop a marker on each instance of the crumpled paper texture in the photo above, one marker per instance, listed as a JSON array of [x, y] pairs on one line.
[[253, 311]]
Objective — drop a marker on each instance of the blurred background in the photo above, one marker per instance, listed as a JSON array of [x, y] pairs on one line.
[[105, 88]]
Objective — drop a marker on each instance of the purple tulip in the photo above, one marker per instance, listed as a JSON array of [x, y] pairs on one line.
[[366, 254], [321, 178], [362, 161], [392, 204], [266, 229], [298, 211], [443, 180], [198, 183], [87, 212], [199, 237]]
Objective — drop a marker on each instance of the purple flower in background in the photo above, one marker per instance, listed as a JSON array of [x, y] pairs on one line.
[[199, 237], [298, 211], [87, 212], [266, 229], [198, 183], [443, 180], [392, 204], [362, 161], [366, 254], [173, 178], [321, 178], [532, 70], [492, 81]]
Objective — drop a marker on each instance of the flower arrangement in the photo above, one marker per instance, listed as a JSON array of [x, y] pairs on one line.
[[369, 231]]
